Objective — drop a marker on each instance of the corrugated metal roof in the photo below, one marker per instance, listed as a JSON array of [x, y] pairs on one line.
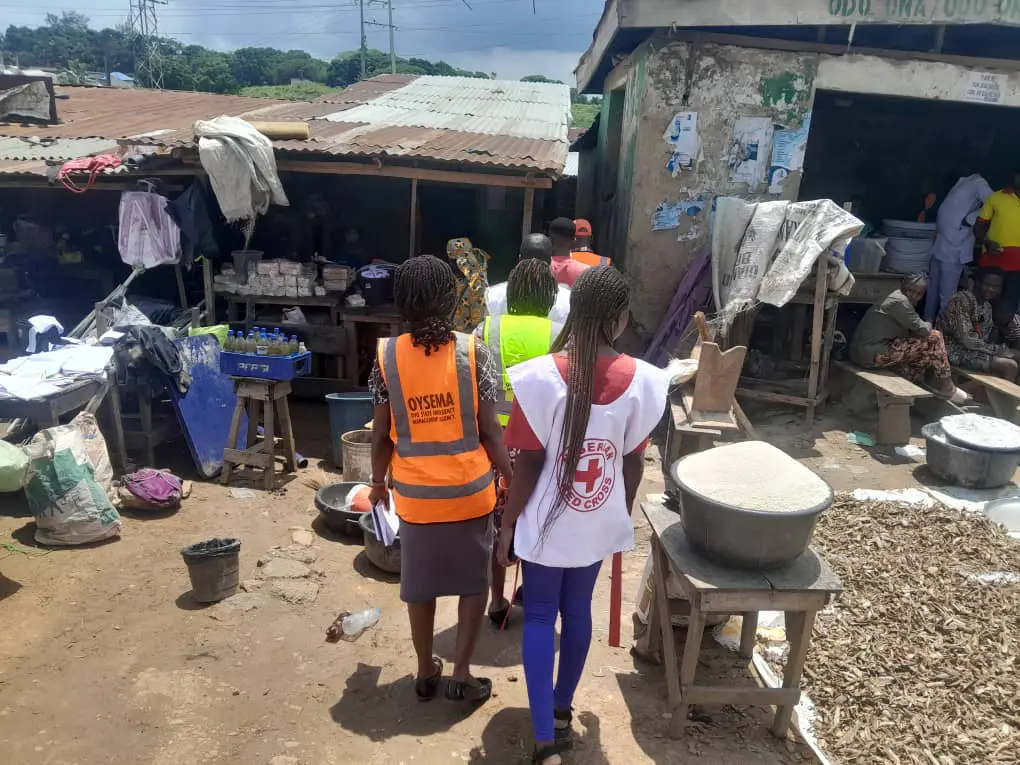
[[31, 148], [490, 123], [125, 113]]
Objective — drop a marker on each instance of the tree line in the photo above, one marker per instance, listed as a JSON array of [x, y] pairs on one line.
[[67, 42]]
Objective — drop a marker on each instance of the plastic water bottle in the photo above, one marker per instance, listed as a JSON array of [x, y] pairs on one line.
[[230, 340], [355, 624]]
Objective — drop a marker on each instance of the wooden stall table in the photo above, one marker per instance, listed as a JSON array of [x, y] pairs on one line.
[[257, 397], [800, 590]]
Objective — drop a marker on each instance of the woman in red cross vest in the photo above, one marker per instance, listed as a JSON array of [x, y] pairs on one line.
[[581, 416], [435, 429]]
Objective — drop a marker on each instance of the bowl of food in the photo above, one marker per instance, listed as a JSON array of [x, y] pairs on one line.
[[749, 505]]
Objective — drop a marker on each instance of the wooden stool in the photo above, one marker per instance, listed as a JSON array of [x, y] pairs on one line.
[[254, 395], [800, 589]]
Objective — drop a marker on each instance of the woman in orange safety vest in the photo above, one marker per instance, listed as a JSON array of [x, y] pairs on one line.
[[435, 429]]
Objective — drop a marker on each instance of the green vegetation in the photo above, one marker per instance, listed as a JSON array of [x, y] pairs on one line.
[[584, 114], [305, 91]]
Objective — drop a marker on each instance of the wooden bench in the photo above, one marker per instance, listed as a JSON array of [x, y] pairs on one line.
[[1003, 395], [895, 397]]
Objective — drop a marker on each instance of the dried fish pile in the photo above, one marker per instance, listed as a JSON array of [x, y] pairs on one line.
[[917, 663]]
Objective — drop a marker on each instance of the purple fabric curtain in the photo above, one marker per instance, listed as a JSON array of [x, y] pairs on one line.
[[692, 295]]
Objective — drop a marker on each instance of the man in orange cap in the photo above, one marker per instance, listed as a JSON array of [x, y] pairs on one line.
[[583, 253]]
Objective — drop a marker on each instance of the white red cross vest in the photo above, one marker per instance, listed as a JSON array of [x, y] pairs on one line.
[[595, 522]]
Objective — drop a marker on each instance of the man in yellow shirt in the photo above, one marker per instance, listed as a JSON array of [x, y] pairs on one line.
[[997, 230]]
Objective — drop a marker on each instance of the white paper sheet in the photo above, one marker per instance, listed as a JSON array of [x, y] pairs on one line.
[[750, 149]]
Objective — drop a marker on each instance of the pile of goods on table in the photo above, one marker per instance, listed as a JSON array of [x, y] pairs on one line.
[[919, 661]]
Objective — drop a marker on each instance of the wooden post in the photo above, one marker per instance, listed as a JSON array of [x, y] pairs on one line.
[[529, 211], [616, 600], [821, 283], [182, 293], [210, 294], [414, 222]]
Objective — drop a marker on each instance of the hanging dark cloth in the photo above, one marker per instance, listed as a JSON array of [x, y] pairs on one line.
[[152, 356], [191, 212]]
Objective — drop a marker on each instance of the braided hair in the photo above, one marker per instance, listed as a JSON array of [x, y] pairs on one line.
[[599, 298], [531, 289], [425, 292]]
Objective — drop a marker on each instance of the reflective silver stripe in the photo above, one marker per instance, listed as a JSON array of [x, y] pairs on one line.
[[494, 343], [398, 405], [414, 491], [603, 261]]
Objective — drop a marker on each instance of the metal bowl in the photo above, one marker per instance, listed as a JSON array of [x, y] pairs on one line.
[[331, 503], [382, 557], [969, 468], [747, 539]]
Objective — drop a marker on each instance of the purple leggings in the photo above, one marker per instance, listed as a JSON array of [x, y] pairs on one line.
[[548, 592]]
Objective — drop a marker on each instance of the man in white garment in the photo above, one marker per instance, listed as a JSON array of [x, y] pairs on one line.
[[954, 242], [537, 246]]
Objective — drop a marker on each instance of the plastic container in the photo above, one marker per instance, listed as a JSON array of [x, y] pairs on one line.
[[347, 412], [747, 539], [354, 624], [265, 367], [969, 468], [357, 455], [331, 502], [379, 555], [213, 567]]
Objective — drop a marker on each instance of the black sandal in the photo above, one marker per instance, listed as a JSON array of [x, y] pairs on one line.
[[543, 754], [564, 734], [498, 617], [426, 688], [475, 690]]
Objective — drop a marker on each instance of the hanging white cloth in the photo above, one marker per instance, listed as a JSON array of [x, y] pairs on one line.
[[148, 236], [37, 325], [241, 167]]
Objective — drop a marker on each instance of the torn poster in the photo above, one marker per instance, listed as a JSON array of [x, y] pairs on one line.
[[668, 215], [682, 135], [787, 154], [749, 150]]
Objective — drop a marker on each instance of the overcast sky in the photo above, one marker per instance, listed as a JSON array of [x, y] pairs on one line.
[[501, 36]]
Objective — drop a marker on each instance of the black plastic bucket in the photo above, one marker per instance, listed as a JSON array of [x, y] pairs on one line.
[[213, 566]]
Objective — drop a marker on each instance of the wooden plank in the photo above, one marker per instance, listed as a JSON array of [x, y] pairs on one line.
[[688, 670], [990, 381], [529, 212], [422, 174], [248, 457], [779, 398], [888, 382], [414, 217], [718, 373], [708, 421], [798, 632], [210, 292], [817, 325], [660, 573], [748, 633], [738, 601]]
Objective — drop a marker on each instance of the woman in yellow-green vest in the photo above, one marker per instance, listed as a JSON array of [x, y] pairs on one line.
[[521, 334]]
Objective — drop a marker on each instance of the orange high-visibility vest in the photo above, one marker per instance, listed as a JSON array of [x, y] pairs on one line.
[[588, 258], [440, 470]]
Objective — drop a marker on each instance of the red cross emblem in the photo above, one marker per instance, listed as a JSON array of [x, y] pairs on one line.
[[591, 474]]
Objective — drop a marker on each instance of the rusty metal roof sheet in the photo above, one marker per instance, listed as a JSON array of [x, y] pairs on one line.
[[129, 112], [34, 147], [491, 123]]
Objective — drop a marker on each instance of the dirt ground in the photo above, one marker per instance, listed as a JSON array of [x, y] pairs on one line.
[[103, 653]]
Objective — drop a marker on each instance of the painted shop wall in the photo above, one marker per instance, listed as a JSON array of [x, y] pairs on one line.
[[727, 106]]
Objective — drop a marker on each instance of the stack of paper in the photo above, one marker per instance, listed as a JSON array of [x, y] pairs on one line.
[[386, 522]]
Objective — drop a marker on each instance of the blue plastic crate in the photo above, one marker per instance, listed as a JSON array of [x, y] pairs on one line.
[[265, 367]]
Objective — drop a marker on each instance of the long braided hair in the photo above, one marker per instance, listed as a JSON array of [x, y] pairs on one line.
[[599, 298], [531, 289], [425, 292]]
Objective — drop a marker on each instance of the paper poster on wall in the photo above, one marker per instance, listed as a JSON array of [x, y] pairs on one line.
[[985, 87], [750, 149], [682, 135], [668, 215], [788, 148]]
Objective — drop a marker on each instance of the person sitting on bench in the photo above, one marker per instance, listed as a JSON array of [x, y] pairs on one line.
[[969, 329], [893, 336], [1007, 324]]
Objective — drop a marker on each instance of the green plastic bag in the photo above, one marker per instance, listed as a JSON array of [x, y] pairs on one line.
[[219, 332], [13, 467]]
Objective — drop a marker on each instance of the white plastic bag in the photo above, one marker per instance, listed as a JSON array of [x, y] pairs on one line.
[[13, 467], [70, 484]]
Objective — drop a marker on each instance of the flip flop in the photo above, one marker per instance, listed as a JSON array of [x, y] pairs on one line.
[[563, 733], [546, 752]]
